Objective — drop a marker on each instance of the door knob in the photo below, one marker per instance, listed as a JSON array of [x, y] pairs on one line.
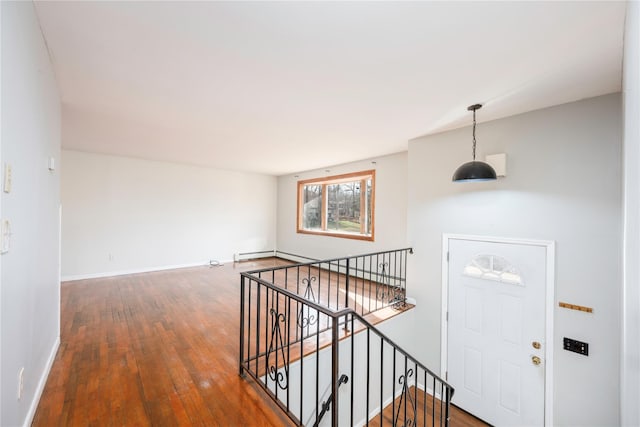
[[535, 360]]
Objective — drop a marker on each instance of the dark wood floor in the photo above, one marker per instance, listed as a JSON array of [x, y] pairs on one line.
[[426, 414], [154, 349]]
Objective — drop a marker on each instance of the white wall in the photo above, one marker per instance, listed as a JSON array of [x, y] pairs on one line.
[[30, 270], [563, 184], [124, 215], [390, 211], [630, 372]]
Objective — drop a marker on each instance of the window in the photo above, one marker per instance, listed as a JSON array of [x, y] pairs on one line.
[[340, 206], [493, 267]]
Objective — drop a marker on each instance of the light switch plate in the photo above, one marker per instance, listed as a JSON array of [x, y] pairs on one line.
[[7, 178]]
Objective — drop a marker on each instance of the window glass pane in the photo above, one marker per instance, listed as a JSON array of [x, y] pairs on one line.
[[493, 267], [312, 207], [343, 207]]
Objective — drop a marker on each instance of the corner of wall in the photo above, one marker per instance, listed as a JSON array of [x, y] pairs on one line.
[[630, 343]]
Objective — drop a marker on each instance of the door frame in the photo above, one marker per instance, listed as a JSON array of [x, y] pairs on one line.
[[550, 247]]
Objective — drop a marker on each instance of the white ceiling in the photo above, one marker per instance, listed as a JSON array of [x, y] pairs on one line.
[[280, 87]]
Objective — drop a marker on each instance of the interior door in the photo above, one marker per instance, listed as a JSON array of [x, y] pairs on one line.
[[496, 330]]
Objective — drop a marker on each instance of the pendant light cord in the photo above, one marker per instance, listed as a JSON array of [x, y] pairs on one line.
[[473, 108], [474, 135]]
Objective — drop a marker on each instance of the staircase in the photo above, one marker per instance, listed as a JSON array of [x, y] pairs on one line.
[[306, 338]]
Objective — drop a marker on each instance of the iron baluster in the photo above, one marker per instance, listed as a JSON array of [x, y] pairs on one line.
[[301, 368], [334, 371], [288, 304], [241, 361], [346, 294], [381, 378], [368, 372], [393, 395], [352, 369], [346, 284], [258, 326]]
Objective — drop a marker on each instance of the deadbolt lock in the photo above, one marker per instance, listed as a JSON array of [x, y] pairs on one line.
[[536, 360], [536, 345]]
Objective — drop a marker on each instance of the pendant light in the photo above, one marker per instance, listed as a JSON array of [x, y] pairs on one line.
[[474, 170]]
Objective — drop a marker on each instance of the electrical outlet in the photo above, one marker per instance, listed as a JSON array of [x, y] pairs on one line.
[[5, 236], [20, 383]]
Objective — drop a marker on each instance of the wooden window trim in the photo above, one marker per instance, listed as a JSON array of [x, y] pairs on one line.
[[338, 179]]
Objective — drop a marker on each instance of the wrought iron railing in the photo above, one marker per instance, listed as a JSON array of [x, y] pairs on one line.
[[366, 283], [315, 354]]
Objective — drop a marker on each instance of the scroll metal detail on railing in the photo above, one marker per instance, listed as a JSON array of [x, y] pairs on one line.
[[391, 293], [307, 316], [382, 292], [276, 344], [407, 399]]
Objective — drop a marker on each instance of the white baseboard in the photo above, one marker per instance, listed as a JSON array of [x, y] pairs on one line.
[[136, 271], [246, 256], [43, 381], [294, 257]]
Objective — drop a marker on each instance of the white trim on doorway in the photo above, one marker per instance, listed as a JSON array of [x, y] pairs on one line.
[[549, 307]]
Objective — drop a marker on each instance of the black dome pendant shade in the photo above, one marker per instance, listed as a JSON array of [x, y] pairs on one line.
[[475, 170]]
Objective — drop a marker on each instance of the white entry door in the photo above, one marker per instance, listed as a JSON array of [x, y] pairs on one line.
[[496, 330]]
